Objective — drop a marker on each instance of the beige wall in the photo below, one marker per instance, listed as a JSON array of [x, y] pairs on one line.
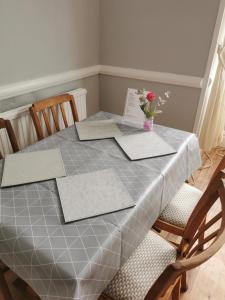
[[167, 36], [42, 37], [179, 112], [90, 83]]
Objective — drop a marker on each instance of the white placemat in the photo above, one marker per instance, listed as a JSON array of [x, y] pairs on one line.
[[144, 145], [30, 167], [92, 194], [94, 130]]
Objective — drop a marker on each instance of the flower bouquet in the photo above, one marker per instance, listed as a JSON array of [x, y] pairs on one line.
[[150, 104]]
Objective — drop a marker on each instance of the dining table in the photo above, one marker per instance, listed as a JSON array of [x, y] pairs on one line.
[[77, 260]]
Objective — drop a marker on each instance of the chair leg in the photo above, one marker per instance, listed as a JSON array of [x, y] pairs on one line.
[[176, 291], [184, 285], [4, 290]]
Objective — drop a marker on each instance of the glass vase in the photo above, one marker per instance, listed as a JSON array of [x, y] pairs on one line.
[[148, 124]]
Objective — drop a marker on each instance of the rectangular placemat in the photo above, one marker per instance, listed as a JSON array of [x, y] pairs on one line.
[[144, 145], [30, 167], [95, 130], [92, 194]]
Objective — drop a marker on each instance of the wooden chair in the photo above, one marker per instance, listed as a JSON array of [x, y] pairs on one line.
[[4, 291], [7, 125], [175, 216], [26, 291], [51, 104], [135, 280]]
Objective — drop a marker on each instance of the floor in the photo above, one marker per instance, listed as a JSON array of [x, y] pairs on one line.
[[207, 281]]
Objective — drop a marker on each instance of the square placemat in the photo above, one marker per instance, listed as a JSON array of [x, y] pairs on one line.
[[144, 145], [21, 168], [95, 130], [92, 194]]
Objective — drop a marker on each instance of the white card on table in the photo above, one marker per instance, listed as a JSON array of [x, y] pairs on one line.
[[144, 145], [92, 194], [133, 115], [95, 130], [21, 168]]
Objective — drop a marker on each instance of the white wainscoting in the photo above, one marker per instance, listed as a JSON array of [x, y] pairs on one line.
[[20, 117], [23, 124], [161, 77], [25, 87], [20, 88]]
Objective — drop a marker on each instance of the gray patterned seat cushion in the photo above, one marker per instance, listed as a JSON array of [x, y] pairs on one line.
[[178, 211], [146, 264]]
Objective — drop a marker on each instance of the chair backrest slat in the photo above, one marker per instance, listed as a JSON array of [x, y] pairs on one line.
[[51, 104], [47, 122], [74, 110], [209, 197], [55, 117], [204, 229], [63, 114], [12, 137], [220, 167], [198, 247]]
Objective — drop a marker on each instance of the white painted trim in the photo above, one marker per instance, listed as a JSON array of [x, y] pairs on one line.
[[23, 110], [168, 78], [24, 87], [209, 67]]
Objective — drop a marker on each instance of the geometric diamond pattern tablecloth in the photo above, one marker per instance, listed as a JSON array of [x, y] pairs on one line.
[[77, 260]]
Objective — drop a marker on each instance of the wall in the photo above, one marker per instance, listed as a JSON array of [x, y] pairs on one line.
[[167, 36], [48, 37], [177, 113], [90, 83], [44, 37], [164, 36]]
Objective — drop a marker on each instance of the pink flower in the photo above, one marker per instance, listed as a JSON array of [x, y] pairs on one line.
[[151, 96]]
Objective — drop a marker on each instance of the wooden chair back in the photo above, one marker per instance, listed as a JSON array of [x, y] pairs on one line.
[[51, 105], [220, 167], [189, 255], [6, 124]]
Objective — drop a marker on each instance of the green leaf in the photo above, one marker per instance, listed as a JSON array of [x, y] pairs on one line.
[[143, 107]]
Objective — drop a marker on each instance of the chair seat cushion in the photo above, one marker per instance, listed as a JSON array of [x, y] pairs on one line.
[[178, 211], [142, 269]]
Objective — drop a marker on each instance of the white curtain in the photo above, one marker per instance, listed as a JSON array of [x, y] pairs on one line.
[[213, 126]]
